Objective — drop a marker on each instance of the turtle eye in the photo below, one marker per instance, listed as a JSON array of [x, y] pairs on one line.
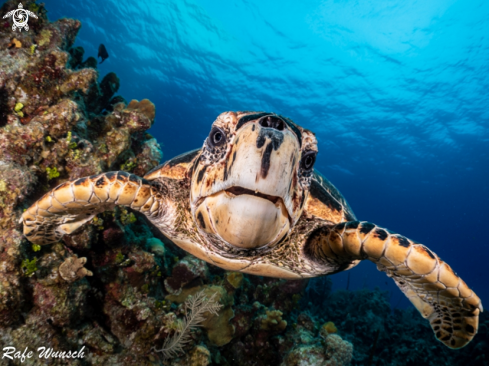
[[308, 160], [217, 137]]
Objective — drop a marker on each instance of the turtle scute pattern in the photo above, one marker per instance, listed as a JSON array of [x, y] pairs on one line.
[[441, 296], [68, 206]]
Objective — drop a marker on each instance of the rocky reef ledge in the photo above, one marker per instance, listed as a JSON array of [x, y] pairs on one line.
[[136, 292]]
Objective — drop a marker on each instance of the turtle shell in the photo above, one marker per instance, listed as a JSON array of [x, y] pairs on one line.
[[326, 202]]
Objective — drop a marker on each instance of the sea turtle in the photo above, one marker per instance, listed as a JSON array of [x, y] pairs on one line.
[[250, 200]]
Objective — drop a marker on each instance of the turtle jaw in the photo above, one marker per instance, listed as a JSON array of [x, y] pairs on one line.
[[244, 219], [268, 193], [237, 191]]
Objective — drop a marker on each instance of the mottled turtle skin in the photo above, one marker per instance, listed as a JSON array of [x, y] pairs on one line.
[[249, 200]]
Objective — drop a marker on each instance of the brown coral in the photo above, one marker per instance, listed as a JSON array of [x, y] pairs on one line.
[[272, 321], [145, 107], [72, 269]]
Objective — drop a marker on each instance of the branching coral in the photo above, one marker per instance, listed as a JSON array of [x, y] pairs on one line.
[[195, 306]]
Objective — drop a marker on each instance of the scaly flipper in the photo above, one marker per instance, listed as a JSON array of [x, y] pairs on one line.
[[442, 297], [71, 204]]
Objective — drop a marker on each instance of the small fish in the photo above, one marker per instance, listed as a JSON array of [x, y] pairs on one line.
[[102, 52]]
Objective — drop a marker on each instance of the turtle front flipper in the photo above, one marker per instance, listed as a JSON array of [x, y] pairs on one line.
[[442, 297], [71, 204]]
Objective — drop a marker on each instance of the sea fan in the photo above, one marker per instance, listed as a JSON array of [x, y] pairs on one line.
[[195, 307]]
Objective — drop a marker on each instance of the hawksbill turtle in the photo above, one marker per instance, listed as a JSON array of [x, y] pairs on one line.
[[250, 200]]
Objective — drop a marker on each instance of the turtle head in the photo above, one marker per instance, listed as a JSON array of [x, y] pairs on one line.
[[251, 181]]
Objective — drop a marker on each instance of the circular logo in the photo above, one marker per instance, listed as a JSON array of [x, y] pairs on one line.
[[20, 17]]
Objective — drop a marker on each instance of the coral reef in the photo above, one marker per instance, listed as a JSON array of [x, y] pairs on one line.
[[404, 338], [122, 293], [186, 270], [334, 352], [72, 269], [198, 356]]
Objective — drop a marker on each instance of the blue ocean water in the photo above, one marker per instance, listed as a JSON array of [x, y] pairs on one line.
[[396, 92]]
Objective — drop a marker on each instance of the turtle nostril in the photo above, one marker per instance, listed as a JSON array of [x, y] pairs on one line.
[[272, 122]]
